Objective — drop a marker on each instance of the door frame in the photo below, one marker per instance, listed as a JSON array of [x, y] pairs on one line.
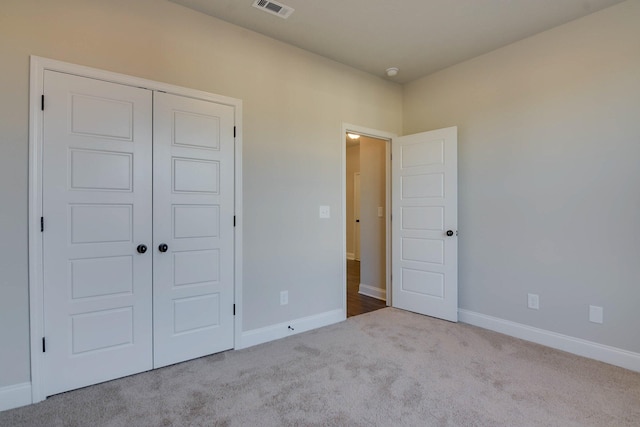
[[38, 66], [388, 138], [356, 198]]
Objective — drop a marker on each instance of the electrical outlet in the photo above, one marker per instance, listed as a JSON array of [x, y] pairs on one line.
[[596, 314], [380, 212], [533, 301], [284, 297], [325, 212]]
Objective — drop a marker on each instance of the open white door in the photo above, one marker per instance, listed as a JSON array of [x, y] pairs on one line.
[[424, 226]]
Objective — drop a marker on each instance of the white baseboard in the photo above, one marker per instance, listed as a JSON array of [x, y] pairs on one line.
[[372, 291], [351, 256], [14, 396], [281, 330], [604, 353]]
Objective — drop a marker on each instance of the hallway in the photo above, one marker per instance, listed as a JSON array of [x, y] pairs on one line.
[[356, 303]]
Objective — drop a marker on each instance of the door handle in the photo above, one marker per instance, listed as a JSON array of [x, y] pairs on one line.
[[141, 249], [357, 220], [163, 247], [449, 233]]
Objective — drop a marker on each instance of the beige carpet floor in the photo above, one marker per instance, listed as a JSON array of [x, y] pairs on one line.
[[385, 368]]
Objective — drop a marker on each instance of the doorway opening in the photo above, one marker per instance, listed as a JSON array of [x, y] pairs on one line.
[[367, 225], [423, 253]]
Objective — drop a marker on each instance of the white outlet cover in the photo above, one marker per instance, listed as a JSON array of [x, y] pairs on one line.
[[284, 297], [325, 212], [380, 211], [533, 301], [596, 314]]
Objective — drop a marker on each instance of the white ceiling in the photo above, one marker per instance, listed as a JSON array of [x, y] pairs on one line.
[[417, 36]]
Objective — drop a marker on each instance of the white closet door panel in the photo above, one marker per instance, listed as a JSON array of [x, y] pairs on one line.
[[97, 209], [193, 216]]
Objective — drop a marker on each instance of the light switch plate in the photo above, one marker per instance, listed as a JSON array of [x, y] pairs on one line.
[[380, 212], [325, 212]]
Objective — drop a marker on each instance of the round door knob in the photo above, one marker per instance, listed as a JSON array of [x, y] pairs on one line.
[[449, 233], [142, 249], [163, 247]]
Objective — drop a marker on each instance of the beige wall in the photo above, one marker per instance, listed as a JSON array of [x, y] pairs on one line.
[[353, 166], [549, 175], [294, 106], [372, 227]]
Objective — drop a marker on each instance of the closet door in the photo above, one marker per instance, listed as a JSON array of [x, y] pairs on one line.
[[193, 201], [96, 214]]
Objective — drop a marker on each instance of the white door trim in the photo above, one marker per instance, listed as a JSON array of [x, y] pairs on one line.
[[356, 215], [388, 137], [36, 89]]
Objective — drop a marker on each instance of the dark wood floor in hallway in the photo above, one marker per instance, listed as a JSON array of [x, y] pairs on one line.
[[357, 303]]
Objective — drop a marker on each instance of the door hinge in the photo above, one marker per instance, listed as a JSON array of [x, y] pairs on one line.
[[41, 224], [234, 220], [234, 131], [42, 102], [234, 309], [44, 346]]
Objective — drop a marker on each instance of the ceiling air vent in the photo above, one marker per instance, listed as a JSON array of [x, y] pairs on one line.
[[274, 8]]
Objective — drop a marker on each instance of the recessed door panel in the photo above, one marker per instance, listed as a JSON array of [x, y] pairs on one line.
[[423, 283], [102, 116], [194, 267], [422, 186], [97, 146], [196, 130], [90, 334], [196, 221], [99, 277], [422, 250], [100, 170], [195, 176], [423, 153], [196, 313], [422, 218], [100, 223]]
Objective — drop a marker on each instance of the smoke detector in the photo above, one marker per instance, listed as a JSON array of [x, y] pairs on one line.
[[392, 72], [274, 8]]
